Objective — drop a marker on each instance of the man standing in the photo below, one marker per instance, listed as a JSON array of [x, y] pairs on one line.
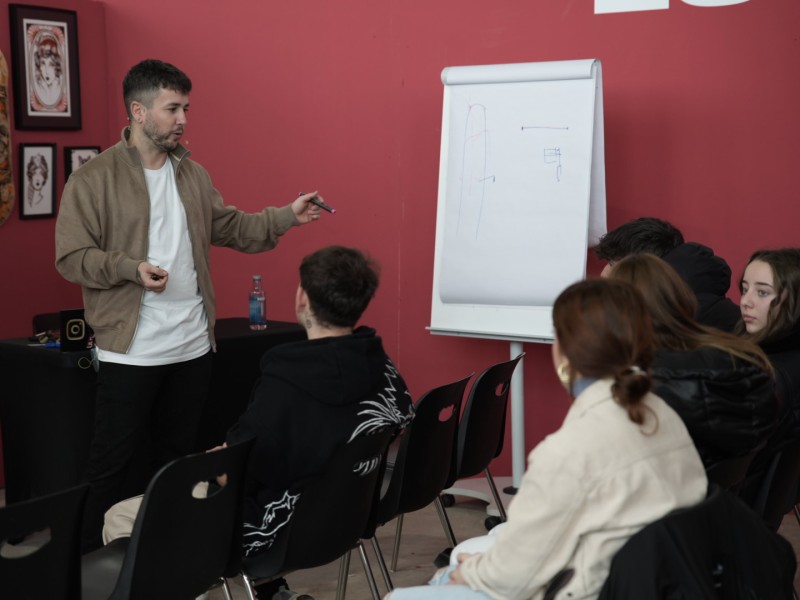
[[134, 230]]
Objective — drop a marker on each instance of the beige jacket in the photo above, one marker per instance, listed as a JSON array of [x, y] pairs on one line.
[[102, 235], [588, 487]]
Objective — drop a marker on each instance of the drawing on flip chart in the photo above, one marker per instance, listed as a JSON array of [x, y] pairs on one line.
[[474, 176], [552, 156]]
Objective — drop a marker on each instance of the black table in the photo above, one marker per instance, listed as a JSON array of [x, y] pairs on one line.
[[47, 403]]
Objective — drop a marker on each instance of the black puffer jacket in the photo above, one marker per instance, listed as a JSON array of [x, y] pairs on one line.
[[784, 354], [727, 404]]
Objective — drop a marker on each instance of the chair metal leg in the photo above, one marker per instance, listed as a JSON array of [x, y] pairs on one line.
[[248, 586], [373, 586], [226, 588], [448, 529], [344, 572], [495, 495], [396, 550], [796, 513], [382, 563]]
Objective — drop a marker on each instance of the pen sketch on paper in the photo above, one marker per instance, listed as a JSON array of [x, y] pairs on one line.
[[552, 156], [472, 193], [46, 52]]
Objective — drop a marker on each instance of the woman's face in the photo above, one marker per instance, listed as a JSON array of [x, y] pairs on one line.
[[37, 180], [758, 292], [47, 69]]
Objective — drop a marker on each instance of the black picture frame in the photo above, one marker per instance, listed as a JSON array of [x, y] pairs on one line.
[[77, 156], [44, 51], [37, 168]]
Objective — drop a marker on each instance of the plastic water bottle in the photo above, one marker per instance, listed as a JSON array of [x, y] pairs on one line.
[[258, 306]]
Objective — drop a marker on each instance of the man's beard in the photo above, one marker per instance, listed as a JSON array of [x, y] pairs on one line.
[[161, 141]]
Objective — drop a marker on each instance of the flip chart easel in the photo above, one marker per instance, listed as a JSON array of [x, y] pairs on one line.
[[521, 198]]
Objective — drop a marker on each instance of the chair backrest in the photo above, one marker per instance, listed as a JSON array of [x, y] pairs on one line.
[[46, 321], [718, 548], [427, 452], [53, 569], [332, 512], [780, 486], [181, 542], [730, 473], [483, 424]]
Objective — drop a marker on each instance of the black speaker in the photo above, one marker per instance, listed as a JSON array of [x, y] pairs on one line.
[[75, 331]]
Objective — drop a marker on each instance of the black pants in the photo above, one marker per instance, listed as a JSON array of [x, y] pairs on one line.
[[150, 412]]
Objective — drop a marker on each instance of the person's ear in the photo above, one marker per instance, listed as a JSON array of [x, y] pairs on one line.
[[301, 298], [138, 112]]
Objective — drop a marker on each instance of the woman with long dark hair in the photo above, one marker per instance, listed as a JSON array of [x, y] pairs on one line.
[[720, 384], [770, 303]]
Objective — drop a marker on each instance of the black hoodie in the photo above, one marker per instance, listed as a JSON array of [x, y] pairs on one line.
[[709, 277], [313, 396]]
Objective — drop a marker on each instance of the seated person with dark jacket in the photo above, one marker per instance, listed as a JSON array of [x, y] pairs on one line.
[[708, 276], [720, 385], [770, 303], [312, 396]]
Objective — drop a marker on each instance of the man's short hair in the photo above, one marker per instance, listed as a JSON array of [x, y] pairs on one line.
[[645, 235], [339, 282], [146, 79]]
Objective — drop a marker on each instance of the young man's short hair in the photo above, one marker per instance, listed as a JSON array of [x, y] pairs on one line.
[[145, 79], [645, 235]]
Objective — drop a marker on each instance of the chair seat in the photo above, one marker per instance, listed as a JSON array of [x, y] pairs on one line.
[[100, 569]]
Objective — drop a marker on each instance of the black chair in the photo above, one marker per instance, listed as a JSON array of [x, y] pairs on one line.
[[482, 428], [40, 546], [730, 473], [330, 516], [46, 322], [717, 549], [423, 463], [779, 487], [181, 545]]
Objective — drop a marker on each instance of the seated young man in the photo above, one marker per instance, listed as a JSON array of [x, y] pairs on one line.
[[708, 276], [312, 396]]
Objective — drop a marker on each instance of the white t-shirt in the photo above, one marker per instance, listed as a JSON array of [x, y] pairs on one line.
[[173, 325]]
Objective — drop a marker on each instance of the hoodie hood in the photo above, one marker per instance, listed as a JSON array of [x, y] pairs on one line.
[[709, 277], [697, 265], [331, 370]]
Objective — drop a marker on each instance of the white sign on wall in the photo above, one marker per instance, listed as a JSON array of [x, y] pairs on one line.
[[617, 6]]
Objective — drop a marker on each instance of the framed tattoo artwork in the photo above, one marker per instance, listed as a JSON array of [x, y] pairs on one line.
[[37, 165], [44, 45], [77, 156]]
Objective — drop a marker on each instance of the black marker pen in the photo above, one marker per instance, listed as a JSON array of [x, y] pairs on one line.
[[316, 201]]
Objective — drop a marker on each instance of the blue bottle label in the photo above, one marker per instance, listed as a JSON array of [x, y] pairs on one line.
[[256, 314]]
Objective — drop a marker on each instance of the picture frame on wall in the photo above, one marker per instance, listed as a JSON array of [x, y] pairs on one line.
[[37, 167], [77, 156], [44, 50]]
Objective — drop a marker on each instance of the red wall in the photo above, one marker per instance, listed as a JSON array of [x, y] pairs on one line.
[[30, 282], [345, 97]]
